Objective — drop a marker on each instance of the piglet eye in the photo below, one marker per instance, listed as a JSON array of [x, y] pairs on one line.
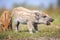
[[44, 16]]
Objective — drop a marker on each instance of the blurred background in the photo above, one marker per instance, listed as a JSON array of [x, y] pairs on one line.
[[39, 4], [51, 7]]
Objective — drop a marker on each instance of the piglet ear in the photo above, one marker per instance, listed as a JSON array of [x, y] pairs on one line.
[[36, 15]]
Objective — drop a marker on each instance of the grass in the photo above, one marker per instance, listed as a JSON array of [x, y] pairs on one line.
[[44, 31]]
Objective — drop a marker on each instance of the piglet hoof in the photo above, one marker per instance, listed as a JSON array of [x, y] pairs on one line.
[[36, 31], [31, 32]]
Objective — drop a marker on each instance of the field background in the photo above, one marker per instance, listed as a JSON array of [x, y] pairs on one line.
[[51, 32]]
